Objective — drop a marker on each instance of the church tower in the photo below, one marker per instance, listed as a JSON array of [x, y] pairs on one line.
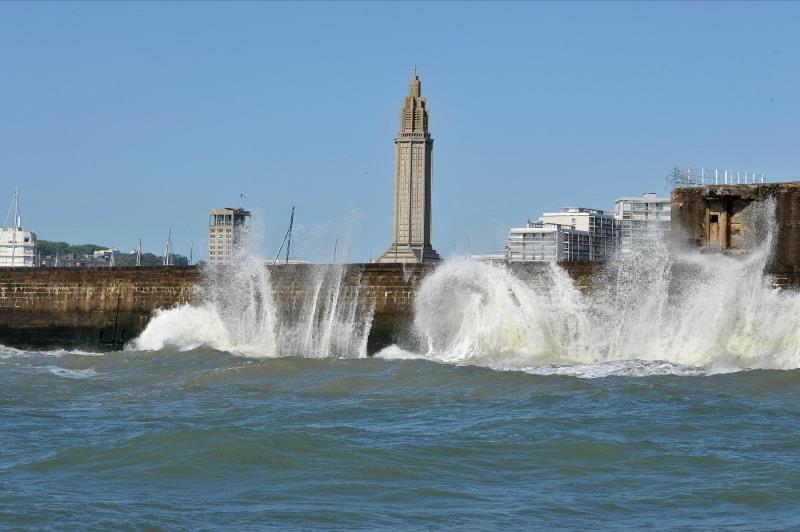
[[411, 227]]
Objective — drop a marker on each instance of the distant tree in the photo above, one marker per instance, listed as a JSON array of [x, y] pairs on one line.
[[49, 248], [148, 259]]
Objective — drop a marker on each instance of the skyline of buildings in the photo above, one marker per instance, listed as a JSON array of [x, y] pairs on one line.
[[571, 234], [585, 234]]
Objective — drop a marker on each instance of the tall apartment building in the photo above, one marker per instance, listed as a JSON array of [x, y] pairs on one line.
[[597, 223], [548, 242], [640, 220], [228, 231]]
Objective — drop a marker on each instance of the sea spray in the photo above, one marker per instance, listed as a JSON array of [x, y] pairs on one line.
[[327, 318], [691, 309], [236, 311]]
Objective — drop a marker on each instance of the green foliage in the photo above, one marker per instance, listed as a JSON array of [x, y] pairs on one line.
[[149, 259], [48, 248]]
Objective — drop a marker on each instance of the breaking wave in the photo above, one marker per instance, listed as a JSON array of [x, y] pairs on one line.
[[238, 314], [653, 312], [649, 312]]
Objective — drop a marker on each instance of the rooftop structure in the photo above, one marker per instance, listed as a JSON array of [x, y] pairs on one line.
[[693, 177], [228, 232]]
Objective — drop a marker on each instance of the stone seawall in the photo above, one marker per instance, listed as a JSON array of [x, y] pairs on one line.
[[99, 308], [72, 307]]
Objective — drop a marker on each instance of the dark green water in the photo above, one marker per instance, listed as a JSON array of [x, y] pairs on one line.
[[205, 439]]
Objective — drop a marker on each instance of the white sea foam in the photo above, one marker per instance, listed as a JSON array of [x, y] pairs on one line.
[[619, 368], [648, 313], [9, 352], [394, 352], [73, 352], [184, 328], [71, 373], [238, 314], [691, 310]]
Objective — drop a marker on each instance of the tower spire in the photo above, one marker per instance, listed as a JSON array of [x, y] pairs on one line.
[[411, 223], [414, 86]]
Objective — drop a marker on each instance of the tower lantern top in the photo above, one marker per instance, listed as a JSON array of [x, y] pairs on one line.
[[414, 114], [415, 85]]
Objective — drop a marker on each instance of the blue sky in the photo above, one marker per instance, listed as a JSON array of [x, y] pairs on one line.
[[120, 120]]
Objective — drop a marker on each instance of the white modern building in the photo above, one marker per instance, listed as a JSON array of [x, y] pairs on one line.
[[228, 232], [546, 242], [17, 246], [641, 220], [106, 255], [597, 223]]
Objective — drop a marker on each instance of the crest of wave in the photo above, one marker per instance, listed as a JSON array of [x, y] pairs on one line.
[[236, 313], [714, 311]]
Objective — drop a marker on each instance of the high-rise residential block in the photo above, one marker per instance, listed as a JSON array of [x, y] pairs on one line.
[[228, 233]]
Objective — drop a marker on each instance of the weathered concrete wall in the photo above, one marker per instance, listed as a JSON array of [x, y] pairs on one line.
[[722, 217], [72, 307]]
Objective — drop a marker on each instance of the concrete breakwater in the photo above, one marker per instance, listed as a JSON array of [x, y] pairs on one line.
[[87, 308]]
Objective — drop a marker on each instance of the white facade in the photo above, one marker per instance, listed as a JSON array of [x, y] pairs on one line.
[[17, 247], [640, 220], [541, 242], [228, 231], [597, 223]]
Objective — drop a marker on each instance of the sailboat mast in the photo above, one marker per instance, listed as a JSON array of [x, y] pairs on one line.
[[14, 229], [168, 250], [289, 242]]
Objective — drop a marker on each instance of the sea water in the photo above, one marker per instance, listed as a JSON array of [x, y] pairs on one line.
[[666, 397]]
